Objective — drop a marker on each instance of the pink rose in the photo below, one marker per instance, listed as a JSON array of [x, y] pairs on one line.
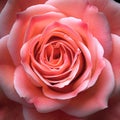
[[61, 58]]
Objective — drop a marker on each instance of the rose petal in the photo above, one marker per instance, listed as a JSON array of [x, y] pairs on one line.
[[32, 114], [111, 113], [8, 13], [33, 94], [95, 98], [96, 21], [39, 22], [111, 10], [115, 60], [6, 83], [92, 44], [5, 57], [17, 33], [7, 17], [9, 110], [25, 4], [75, 8], [2, 4]]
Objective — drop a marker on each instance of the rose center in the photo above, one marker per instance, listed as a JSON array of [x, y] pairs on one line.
[[53, 52]]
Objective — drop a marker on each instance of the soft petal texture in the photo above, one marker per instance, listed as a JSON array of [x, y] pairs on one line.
[[9, 110], [8, 13], [111, 113], [7, 17], [112, 11], [96, 21], [33, 94], [38, 23], [95, 98], [6, 83], [95, 48], [42, 103], [32, 114], [16, 40], [5, 57], [115, 60]]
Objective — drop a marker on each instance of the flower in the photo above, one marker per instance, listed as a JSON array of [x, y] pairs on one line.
[[61, 57]]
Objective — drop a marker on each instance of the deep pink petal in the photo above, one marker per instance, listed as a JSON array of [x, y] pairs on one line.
[[115, 60], [32, 114], [33, 94], [95, 98]]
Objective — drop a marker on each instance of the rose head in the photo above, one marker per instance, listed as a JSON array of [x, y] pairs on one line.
[[61, 58]]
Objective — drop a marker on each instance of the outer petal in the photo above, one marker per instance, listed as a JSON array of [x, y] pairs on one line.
[[6, 83], [96, 21], [5, 57], [9, 110], [33, 94], [95, 98], [111, 10], [111, 113], [23, 4], [8, 13], [32, 114], [17, 33], [2, 4], [115, 60], [7, 17]]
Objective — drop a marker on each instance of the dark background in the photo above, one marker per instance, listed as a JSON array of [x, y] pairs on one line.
[[117, 1]]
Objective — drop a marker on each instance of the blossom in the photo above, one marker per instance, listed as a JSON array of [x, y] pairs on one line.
[[60, 57]]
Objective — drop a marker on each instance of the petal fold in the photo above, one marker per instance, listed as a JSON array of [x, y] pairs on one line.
[[5, 57], [32, 114], [115, 60], [95, 98], [96, 20], [33, 94], [6, 83]]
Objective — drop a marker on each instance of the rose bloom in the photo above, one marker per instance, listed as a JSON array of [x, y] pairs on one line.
[[59, 60]]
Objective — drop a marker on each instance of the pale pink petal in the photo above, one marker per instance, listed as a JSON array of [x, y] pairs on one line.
[[95, 98], [6, 83], [33, 94], [18, 31], [32, 114], [38, 23], [115, 60], [96, 21], [9, 110], [5, 57], [112, 11], [75, 8], [99, 27]]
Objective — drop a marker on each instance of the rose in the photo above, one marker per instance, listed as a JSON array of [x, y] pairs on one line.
[[55, 41]]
